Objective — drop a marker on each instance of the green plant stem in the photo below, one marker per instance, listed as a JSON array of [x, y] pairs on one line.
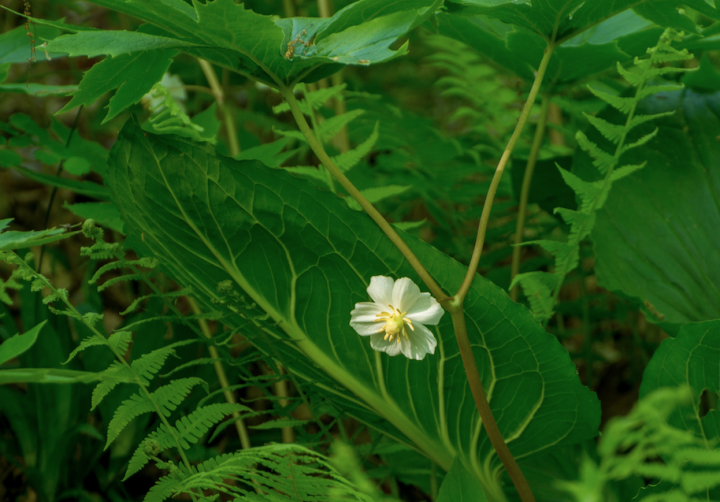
[[355, 194], [485, 216], [222, 378], [525, 191], [488, 420], [138, 381], [217, 90]]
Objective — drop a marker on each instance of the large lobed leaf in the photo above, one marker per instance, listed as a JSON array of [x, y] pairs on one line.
[[287, 50], [302, 259], [673, 199]]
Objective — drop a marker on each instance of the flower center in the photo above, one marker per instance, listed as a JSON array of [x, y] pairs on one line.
[[394, 324]]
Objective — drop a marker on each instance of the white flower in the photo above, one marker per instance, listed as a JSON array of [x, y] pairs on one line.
[[395, 319]]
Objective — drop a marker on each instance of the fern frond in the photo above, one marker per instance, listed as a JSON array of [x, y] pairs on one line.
[[170, 295], [114, 265], [115, 374], [166, 398], [149, 364], [90, 341], [349, 159], [332, 126], [102, 250], [120, 278], [188, 429], [213, 316], [541, 289], [289, 472], [538, 288]]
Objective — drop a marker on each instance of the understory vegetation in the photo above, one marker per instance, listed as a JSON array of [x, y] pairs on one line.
[[372, 250]]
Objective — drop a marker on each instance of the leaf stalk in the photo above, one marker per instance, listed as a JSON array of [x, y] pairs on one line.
[[485, 216], [525, 191], [378, 218]]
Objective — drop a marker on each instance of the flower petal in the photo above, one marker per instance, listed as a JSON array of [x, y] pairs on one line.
[[405, 294], [381, 289], [366, 328], [426, 310], [421, 342], [378, 343], [366, 312]]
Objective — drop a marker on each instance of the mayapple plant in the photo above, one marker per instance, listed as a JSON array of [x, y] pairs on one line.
[[280, 255]]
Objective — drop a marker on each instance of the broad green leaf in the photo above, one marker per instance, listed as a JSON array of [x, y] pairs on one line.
[[112, 43], [39, 90], [460, 486], [674, 198], [567, 18], [106, 214], [520, 50], [705, 79], [48, 375], [288, 50], [693, 359], [15, 44], [302, 259], [133, 75], [18, 344]]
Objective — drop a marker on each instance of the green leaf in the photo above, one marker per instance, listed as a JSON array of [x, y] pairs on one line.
[[675, 196], [692, 359], [112, 43], [374, 195], [140, 71], [15, 44], [39, 90], [82, 187], [361, 33], [280, 423], [460, 486], [18, 344], [13, 240], [568, 18], [48, 375], [105, 214], [705, 79], [301, 259]]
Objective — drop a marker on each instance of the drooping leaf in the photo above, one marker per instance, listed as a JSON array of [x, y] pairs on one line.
[[18, 344], [301, 259], [39, 90], [133, 75]]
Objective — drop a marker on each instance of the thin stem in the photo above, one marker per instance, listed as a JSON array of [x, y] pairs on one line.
[[217, 90], [222, 378], [525, 191], [281, 391], [486, 415], [355, 194], [54, 190], [485, 216]]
